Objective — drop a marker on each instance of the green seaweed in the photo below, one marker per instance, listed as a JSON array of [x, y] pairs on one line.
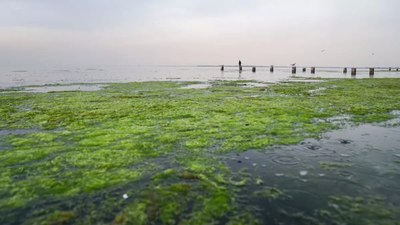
[[361, 210], [79, 144], [60, 218], [243, 219], [334, 165], [269, 193]]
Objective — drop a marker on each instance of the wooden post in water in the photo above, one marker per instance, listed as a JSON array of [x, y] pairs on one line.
[[345, 70], [253, 69], [271, 69], [371, 72], [222, 68], [390, 69], [353, 71], [304, 70], [397, 70], [312, 70], [293, 70]]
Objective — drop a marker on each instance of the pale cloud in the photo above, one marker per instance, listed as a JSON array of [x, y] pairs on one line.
[[199, 32]]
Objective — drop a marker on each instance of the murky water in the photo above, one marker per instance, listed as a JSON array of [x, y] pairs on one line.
[[361, 161], [12, 77]]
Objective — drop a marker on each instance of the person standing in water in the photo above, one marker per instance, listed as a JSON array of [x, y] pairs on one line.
[[240, 65]]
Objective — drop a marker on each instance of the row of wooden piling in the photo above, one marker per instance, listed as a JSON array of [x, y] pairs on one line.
[[294, 70], [354, 71]]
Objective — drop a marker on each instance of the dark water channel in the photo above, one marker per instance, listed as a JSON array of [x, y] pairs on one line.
[[357, 162]]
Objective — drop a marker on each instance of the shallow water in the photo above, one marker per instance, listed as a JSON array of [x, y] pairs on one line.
[[61, 88], [17, 132], [358, 161], [197, 86], [13, 77]]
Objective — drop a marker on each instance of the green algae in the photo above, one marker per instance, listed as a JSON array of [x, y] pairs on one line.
[[259, 181], [360, 210], [348, 210], [59, 218], [334, 165], [88, 142], [239, 183], [165, 204], [243, 219], [135, 214], [269, 193]]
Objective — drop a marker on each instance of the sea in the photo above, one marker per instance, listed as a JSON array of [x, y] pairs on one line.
[[17, 77]]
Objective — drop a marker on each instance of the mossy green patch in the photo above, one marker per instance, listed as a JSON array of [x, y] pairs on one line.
[[165, 142], [59, 218]]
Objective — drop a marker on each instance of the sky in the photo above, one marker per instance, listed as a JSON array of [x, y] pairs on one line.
[[199, 32]]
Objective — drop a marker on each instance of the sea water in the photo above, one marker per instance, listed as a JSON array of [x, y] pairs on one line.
[[15, 77]]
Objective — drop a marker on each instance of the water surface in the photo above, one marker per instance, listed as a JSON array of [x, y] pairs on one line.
[[355, 162], [12, 77]]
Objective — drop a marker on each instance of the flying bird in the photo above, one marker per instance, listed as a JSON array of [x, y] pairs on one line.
[[293, 64], [372, 53], [323, 50]]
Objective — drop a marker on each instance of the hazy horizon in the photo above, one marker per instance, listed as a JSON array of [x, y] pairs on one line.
[[177, 32]]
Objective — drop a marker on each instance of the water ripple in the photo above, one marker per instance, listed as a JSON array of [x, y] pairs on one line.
[[285, 160]]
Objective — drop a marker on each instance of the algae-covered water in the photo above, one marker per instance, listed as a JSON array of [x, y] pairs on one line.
[[224, 152]]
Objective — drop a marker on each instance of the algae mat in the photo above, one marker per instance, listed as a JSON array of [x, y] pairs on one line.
[[157, 153]]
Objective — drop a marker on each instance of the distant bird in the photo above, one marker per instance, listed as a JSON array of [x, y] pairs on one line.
[[372, 53], [323, 50], [293, 64]]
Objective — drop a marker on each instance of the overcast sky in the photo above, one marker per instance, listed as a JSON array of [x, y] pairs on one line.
[[184, 32]]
